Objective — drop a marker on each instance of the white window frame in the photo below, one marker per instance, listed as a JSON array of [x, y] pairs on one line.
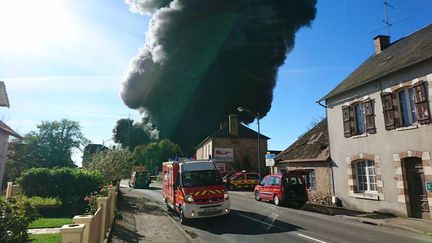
[[369, 165], [409, 105]]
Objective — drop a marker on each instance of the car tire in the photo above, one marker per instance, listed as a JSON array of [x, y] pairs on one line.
[[257, 197], [276, 200]]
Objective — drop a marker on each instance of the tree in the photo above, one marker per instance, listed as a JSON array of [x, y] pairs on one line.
[[153, 154], [130, 134], [51, 146], [57, 140], [112, 164]]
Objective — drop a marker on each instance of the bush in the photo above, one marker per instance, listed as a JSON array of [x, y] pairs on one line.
[[41, 202], [70, 185], [15, 216]]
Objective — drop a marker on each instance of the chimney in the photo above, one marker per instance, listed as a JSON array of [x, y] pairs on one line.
[[233, 125], [381, 42]]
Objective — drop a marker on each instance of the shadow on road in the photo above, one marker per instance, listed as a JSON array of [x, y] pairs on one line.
[[154, 188], [124, 229], [242, 222], [123, 233]]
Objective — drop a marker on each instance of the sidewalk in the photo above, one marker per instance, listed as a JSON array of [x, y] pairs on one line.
[[44, 231], [380, 219], [144, 221]]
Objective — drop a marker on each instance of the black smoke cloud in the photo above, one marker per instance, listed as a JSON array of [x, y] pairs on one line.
[[204, 58]]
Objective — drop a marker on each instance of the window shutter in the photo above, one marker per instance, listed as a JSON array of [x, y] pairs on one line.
[[370, 116], [346, 121], [421, 103], [387, 103]]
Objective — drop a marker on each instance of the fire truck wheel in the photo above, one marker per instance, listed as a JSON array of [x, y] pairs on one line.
[[167, 207], [257, 197], [183, 220], [276, 200]]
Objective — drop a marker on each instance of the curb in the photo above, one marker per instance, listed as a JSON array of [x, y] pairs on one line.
[[385, 224], [180, 228]]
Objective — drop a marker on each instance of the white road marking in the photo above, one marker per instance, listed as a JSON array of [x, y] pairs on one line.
[[310, 238], [271, 225], [256, 220], [273, 218]]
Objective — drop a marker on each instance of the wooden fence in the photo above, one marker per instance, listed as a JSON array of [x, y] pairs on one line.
[[93, 228]]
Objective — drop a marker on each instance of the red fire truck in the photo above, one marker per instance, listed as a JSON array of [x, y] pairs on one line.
[[194, 189]]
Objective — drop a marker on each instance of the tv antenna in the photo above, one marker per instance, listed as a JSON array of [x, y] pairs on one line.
[[387, 22]]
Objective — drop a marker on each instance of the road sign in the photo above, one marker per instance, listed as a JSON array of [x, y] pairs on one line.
[[270, 159]]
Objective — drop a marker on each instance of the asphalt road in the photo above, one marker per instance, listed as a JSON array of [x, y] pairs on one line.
[[252, 221]]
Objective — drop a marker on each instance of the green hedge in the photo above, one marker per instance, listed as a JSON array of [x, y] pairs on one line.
[[70, 185]]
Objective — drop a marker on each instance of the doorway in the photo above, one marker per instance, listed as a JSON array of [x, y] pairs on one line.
[[418, 204]]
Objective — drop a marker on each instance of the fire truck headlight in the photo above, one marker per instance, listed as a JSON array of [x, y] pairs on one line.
[[226, 196], [189, 198]]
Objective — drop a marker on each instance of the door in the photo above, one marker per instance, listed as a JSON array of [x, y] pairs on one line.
[[264, 188], [418, 204]]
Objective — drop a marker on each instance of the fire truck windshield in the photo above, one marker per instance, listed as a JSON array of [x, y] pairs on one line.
[[201, 178]]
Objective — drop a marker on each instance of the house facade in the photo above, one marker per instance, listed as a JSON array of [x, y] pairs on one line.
[[234, 147], [5, 132], [380, 130], [310, 156]]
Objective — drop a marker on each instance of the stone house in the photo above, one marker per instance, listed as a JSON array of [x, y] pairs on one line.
[[234, 147], [379, 129], [310, 156]]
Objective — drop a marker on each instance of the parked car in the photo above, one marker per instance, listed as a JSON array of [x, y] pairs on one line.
[[140, 179], [282, 188], [241, 180]]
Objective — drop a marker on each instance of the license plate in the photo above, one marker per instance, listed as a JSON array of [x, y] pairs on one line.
[[210, 209]]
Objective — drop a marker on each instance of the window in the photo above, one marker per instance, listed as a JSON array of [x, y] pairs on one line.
[[201, 178], [271, 181], [311, 180], [360, 121], [365, 172], [359, 118], [251, 177], [407, 107], [276, 181], [264, 181]]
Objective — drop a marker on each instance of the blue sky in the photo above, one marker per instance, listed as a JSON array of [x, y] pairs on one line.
[[65, 59]]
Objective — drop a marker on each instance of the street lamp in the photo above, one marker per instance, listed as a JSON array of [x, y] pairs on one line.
[[241, 109]]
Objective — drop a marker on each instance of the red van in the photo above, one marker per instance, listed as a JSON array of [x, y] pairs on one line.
[[282, 188]]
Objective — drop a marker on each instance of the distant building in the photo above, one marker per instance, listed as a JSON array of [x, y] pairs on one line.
[[310, 155], [380, 131], [89, 151], [234, 147]]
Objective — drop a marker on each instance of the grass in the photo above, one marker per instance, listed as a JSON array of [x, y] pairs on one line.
[[46, 238], [49, 223], [41, 201]]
